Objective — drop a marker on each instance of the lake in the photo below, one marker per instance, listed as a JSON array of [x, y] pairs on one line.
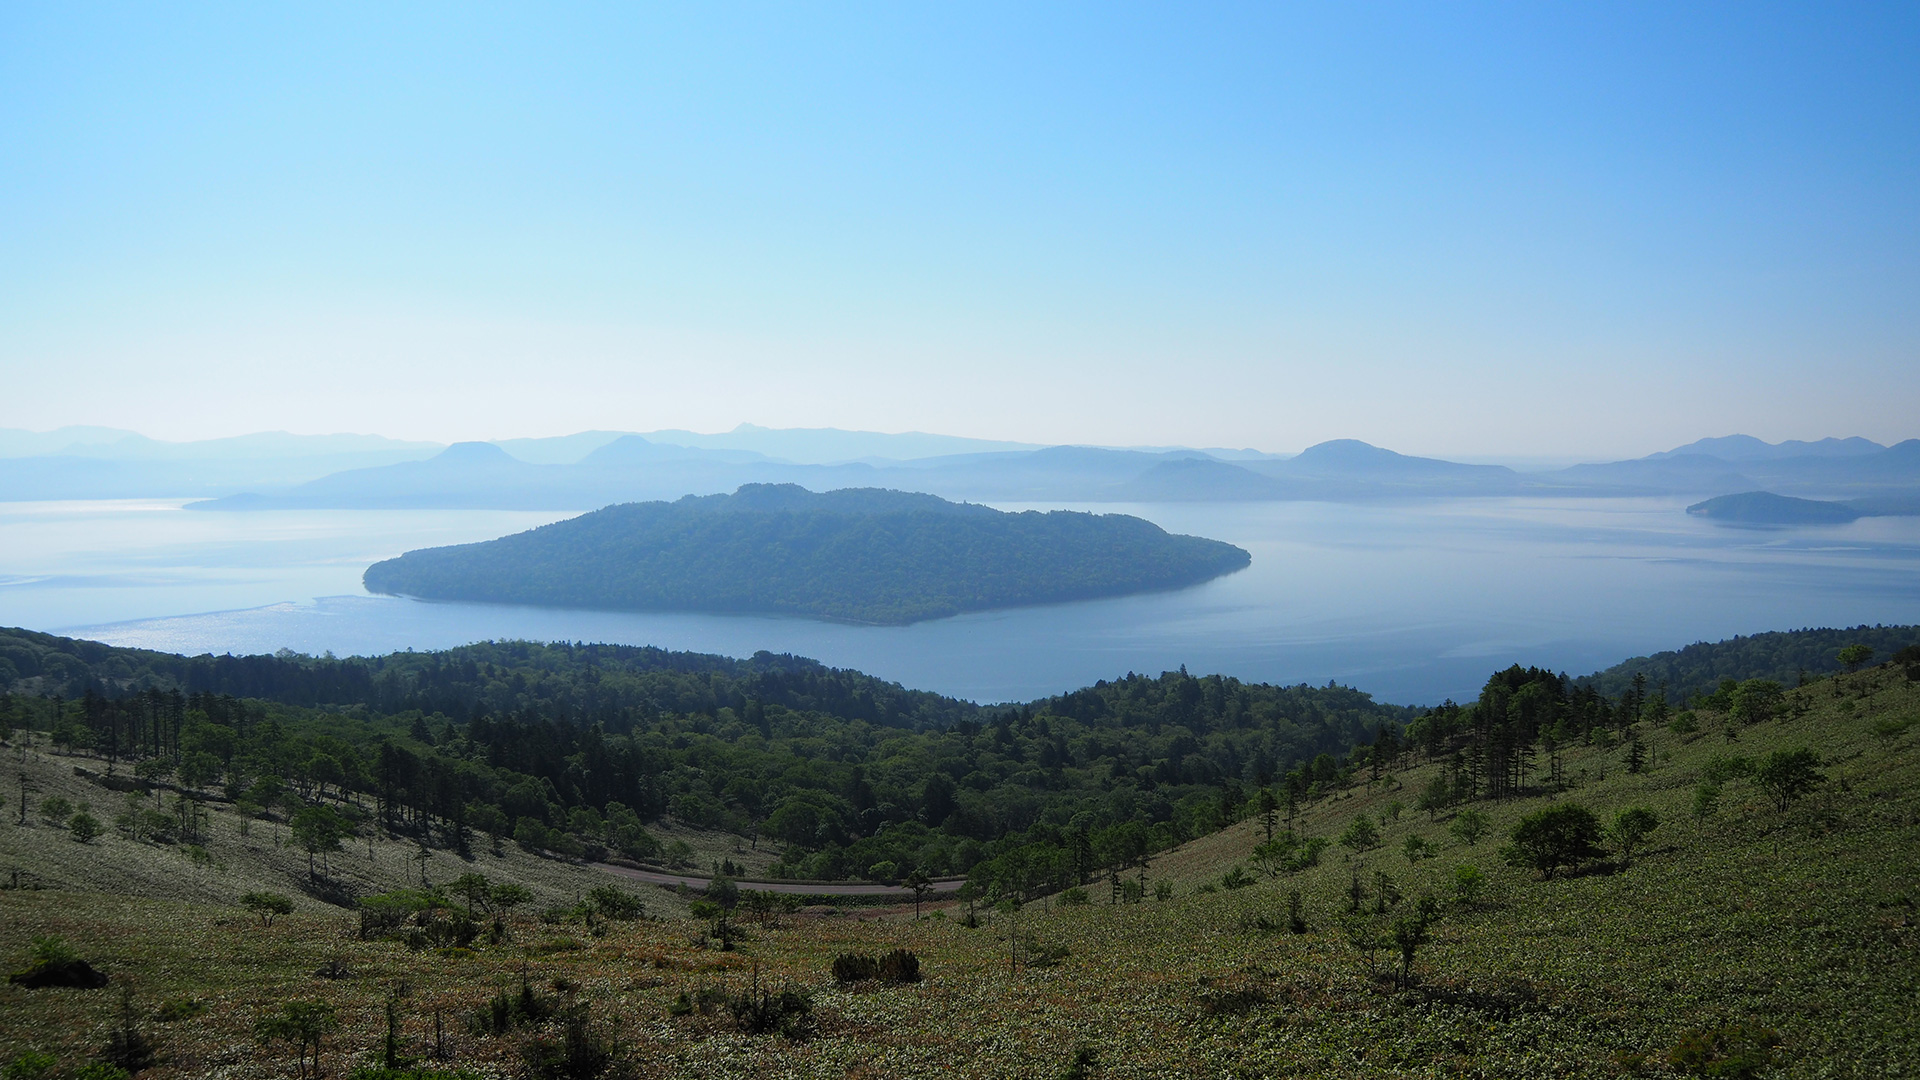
[[1413, 601]]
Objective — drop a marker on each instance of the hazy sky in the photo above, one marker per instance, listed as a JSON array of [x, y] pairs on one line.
[[1449, 228]]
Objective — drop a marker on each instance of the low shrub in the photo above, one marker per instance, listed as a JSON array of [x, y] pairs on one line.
[[507, 1011], [178, 1009], [84, 827], [54, 963], [899, 966], [1036, 954], [578, 1052], [1736, 1052], [763, 1012], [703, 1001], [384, 913], [29, 1065], [612, 902]]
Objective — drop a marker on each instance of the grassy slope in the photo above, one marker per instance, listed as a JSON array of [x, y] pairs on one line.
[[1803, 922], [263, 857]]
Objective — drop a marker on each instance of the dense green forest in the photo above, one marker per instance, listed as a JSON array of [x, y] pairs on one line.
[[863, 555], [1783, 656], [573, 750]]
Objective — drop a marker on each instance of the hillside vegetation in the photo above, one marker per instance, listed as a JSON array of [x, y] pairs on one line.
[[862, 555], [1787, 657], [1727, 919], [583, 751]]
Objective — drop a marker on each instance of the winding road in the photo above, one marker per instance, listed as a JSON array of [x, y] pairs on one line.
[[941, 888]]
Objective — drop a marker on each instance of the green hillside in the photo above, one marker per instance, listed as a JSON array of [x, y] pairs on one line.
[[1784, 656], [861, 555], [575, 750], [1750, 933]]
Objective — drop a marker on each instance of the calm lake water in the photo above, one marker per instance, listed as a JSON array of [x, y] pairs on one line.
[[1412, 601]]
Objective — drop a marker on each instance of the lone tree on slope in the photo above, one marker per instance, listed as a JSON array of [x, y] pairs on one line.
[[1632, 827], [1559, 836], [1786, 775]]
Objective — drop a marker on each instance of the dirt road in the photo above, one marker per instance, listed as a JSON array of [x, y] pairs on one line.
[[653, 877]]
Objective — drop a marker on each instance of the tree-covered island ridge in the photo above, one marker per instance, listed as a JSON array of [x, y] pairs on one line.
[[857, 554]]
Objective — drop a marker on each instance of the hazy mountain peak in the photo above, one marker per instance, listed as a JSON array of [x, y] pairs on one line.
[[819, 446], [473, 453], [765, 498], [558, 449], [18, 442], [1348, 450], [1742, 448], [638, 450]]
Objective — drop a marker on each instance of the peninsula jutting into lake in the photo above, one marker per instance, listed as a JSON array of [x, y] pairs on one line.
[[859, 554]]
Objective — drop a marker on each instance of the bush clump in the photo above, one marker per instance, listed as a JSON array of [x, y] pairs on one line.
[[1557, 837], [55, 963], [504, 1012], [578, 1052], [788, 1012], [898, 966], [178, 1009], [612, 902], [1737, 1052], [29, 1065]]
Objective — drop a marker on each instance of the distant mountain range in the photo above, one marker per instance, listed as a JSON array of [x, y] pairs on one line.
[[1831, 467], [1748, 448], [587, 469]]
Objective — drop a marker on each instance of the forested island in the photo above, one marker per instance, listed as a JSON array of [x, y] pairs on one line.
[[860, 554], [1766, 508]]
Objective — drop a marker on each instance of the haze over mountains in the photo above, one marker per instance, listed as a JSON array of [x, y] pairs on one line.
[[277, 470]]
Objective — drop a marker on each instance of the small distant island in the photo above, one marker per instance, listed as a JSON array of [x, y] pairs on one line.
[[860, 555], [1766, 508]]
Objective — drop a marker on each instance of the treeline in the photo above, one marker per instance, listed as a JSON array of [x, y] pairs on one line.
[[1781, 656], [617, 686], [575, 749]]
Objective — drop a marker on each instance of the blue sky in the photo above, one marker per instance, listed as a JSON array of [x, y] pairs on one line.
[[1589, 230]]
